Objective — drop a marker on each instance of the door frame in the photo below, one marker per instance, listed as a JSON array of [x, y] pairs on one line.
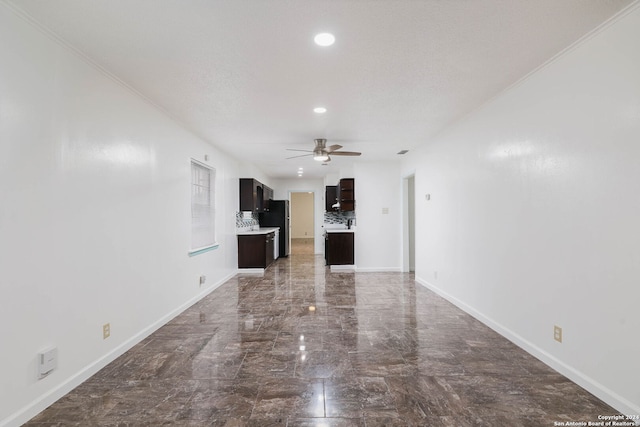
[[408, 223]]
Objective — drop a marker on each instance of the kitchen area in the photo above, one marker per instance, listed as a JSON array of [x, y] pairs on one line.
[[339, 225], [263, 226]]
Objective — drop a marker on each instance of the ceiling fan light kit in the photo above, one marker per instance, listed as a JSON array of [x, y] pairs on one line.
[[320, 156]]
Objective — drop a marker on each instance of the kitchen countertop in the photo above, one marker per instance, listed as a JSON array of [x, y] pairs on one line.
[[340, 230], [261, 230]]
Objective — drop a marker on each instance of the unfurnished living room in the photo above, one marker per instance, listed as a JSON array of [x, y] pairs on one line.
[[319, 213]]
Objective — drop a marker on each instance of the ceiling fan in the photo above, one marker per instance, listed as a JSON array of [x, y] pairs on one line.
[[321, 152]]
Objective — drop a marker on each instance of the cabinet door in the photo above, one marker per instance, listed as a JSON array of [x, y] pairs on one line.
[[251, 195], [326, 249], [267, 195], [347, 194], [251, 251], [269, 238], [247, 194], [259, 207], [330, 198], [340, 249]]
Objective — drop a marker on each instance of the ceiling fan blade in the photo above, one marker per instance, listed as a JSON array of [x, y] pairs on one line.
[[302, 155], [334, 147], [345, 153], [293, 149]]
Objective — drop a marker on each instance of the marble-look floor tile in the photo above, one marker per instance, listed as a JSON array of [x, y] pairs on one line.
[[304, 346], [326, 422], [290, 397], [221, 400]]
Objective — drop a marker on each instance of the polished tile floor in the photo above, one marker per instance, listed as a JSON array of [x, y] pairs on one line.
[[302, 246], [302, 346]]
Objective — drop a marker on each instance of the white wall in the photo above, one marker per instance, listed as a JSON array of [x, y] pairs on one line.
[[94, 218], [249, 170], [378, 239], [533, 218], [281, 190]]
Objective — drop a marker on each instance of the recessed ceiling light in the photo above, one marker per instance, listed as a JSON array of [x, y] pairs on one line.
[[324, 39], [320, 110]]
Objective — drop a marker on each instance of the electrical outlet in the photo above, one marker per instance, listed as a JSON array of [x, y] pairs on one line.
[[202, 280], [47, 362], [557, 333], [106, 331], [435, 275]]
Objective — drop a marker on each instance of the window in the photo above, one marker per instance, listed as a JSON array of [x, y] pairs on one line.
[[203, 220]]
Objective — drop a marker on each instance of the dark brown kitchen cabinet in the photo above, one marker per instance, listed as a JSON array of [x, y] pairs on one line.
[[347, 194], [255, 250], [254, 195], [267, 195], [251, 195], [339, 248], [330, 198]]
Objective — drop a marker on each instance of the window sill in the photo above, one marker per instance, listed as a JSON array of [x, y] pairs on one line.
[[198, 251]]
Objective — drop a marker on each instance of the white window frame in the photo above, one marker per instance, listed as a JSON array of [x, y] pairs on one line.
[[203, 208]]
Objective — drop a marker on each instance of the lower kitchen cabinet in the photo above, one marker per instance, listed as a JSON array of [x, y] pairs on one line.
[[339, 248], [255, 251]]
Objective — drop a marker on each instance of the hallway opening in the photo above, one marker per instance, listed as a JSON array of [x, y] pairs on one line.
[[302, 223], [409, 224]]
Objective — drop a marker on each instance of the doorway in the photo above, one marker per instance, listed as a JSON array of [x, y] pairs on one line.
[[302, 223], [409, 224]]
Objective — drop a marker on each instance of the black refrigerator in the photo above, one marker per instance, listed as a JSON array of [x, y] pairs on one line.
[[278, 216]]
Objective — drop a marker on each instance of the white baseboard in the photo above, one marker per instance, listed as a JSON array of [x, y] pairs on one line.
[[251, 271], [379, 270], [343, 268], [41, 403], [603, 393]]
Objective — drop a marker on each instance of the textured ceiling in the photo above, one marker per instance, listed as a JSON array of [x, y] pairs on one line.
[[245, 74]]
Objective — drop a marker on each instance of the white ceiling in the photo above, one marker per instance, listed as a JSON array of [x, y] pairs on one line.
[[245, 74]]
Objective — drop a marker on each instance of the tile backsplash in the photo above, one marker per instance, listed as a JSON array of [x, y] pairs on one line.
[[339, 217], [246, 221]]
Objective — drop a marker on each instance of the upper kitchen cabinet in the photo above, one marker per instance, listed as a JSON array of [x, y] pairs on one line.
[[330, 198], [254, 195], [267, 195], [347, 194], [251, 195]]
